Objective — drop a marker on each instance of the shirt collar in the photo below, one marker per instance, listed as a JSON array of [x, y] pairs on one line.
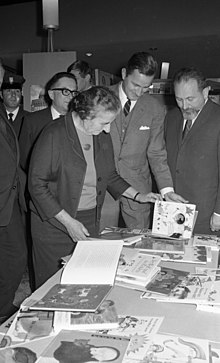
[[55, 113], [123, 97], [15, 112]]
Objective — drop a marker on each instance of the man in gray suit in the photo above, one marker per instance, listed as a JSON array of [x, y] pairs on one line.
[[138, 139]]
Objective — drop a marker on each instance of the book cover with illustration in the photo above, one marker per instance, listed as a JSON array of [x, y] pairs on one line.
[[105, 317], [173, 219], [71, 297], [29, 325], [192, 254], [137, 267], [194, 289], [166, 280], [139, 329], [161, 244], [167, 348], [79, 346], [206, 240]]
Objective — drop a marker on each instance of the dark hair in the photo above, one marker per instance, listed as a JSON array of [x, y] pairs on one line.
[[52, 82], [81, 66], [185, 74], [143, 62], [86, 103]]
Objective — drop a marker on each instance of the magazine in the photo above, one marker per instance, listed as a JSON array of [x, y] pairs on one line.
[[148, 244]]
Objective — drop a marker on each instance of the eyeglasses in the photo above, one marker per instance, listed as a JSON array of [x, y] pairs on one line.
[[66, 91]]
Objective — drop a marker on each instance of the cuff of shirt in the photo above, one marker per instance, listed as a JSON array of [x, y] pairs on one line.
[[217, 214], [166, 190]]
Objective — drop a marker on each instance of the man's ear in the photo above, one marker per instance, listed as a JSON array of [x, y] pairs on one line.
[[123, 73], [50, 94], [205, 92]]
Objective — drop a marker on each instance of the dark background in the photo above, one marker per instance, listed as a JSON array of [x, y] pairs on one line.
[[181, 32]]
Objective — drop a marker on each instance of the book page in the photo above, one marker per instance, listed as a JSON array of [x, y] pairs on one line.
[[93, 262]]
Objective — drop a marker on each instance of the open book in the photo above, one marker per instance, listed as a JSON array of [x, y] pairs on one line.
[[87, 278], [173, 219]]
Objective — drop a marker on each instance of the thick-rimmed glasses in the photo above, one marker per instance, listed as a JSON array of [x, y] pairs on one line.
[[66, 91]]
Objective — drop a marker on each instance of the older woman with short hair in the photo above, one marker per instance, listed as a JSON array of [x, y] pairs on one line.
[[71, 168]]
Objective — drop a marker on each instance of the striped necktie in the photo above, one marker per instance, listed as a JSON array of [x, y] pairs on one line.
[[126, 108], [186, 129]]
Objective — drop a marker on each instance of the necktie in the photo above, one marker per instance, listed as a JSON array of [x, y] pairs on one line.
[[126, 108], [10, 117], [186, 129]]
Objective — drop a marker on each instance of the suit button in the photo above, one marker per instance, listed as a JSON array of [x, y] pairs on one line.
[[99, 178], [119, 159], [177, 171], [14, 187], [99, 193]]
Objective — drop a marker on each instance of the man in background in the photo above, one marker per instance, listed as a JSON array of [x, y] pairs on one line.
[[11, 106], [192, 134], [13, 250], [83, 74], [138, 139], [60, 89]]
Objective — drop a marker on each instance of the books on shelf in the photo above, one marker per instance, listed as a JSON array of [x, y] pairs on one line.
[[79, 346], [136, 267], [173, 219], [105, 317], [87, 278], [139, 329], [150, 243]]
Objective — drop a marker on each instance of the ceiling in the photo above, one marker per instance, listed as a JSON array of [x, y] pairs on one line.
[[181, 32]]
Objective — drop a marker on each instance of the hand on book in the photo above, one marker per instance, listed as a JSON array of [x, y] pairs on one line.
[[173, 197], [76, 230], [215, 222], [148, 198]]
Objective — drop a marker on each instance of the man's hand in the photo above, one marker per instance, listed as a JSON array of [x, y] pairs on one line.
[[215, 222], [148, 198], [173, 197]]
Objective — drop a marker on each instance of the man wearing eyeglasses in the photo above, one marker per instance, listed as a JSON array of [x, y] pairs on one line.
[[59, 91]]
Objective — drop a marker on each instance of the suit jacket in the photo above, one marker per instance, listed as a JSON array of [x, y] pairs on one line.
[[58, 167], [195, 163], [143, 147], [12, 179], [32, 126], [18, 121]]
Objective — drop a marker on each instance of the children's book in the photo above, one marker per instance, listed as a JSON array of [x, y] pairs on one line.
[[192, 254], [87, 278], [140, 329], [149, 244], [194, 289], [166, 280], [105, 317], [167, 348], [136, 267], [79, 346], [211, 241], [173, 219], [29, 325]]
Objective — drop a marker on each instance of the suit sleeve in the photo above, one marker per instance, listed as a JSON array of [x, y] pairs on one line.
[[43, 175], [156, 151]]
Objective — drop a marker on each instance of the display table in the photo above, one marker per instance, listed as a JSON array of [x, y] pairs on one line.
[[182, 319]]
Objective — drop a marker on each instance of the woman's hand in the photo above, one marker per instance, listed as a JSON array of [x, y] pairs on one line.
[[146, 198], [76, 229]]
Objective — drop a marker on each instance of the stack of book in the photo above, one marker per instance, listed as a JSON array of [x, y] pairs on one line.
[[136, 269]]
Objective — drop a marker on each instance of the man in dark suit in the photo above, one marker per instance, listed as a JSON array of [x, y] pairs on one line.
[[13, 250], [138, 139], [192, 134], [59, 91], [11, 94]]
